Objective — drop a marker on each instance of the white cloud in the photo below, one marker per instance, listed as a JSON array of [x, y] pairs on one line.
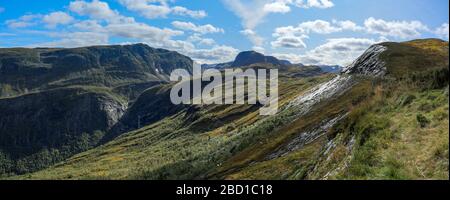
[[24, 21], [95, 9], [442, 31], [259, 49], [88, 25], [117, 24], [277, 7], [141, 31], [293, 37], [159, 9], [316, 26], [203, 29], [398, 29], [207, 42], [290, 42], [314, 3], [144, 8], [340, 51], [347, 25], [253, 12], [253, 37], [217, 54], [178, 10], [197, 38], [105, 23], [55, 18], [76, 39]]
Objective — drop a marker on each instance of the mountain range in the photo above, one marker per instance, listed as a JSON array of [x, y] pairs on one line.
[[104, 113], [252, 57]]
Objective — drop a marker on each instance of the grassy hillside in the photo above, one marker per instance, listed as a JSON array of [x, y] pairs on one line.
[[172, 149], [387, 127], [39, 129]]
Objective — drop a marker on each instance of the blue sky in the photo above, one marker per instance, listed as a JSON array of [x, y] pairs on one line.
[[210, 31]]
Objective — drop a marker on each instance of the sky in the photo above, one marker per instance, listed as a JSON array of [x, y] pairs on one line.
[[312, 32]]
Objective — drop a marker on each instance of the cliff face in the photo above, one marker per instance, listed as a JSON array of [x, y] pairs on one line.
[[54, 120]]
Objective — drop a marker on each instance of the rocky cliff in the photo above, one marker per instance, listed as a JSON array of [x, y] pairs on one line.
[[65, 121]]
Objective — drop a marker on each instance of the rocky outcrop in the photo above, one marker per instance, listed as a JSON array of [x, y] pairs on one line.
[[369, 63], [305, 138], [333, 88]]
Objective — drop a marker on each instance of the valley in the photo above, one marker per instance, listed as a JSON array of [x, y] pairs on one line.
[[383, 117]]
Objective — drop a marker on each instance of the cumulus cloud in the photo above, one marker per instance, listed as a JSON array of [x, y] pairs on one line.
[[253, 37], [141, 31], [88, 25], [277, 7], [23, 21], [207, 42], [253, 12], [55, 18], [117, 24], [341, 51], [104, 23], [95, 9], [216, 54], [159, 8], [442, 31], [316, 26], [314, 3], [293, 37], [178, 10], [202, 29], [398, 29], [290, 42], [75, 39]]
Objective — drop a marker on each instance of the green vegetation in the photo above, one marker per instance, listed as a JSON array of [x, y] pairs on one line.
[[172, 149], [392, 127]]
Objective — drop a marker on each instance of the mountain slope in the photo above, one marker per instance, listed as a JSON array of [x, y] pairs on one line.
[[395, 127], [59, 102], [24, 70], [202, 136], [384, 117]]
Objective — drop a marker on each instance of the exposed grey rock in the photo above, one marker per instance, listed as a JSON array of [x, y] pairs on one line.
[[306, 137], [332, 88], [369, 63]]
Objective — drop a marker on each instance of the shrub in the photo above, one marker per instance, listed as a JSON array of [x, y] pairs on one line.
[[406, 100], [423, 121]]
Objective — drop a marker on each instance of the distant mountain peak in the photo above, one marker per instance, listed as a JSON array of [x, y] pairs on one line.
[[246, 58]]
